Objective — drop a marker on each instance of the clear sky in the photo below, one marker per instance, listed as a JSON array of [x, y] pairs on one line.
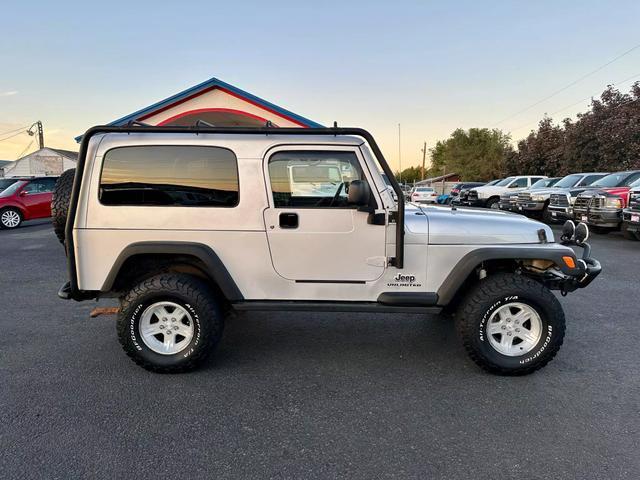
[[431, 66]]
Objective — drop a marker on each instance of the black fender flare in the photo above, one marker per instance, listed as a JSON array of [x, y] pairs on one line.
[[471, 260], [215, 268]]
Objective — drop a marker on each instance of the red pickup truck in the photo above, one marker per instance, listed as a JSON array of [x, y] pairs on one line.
[[26, 199], [601, 206]]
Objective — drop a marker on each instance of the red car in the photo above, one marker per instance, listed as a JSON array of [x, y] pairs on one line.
[[26, 199]]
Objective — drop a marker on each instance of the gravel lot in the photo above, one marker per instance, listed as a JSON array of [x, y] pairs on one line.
[[312, 395]]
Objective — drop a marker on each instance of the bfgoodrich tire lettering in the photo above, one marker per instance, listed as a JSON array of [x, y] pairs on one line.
[[190, 294], [502, 290]]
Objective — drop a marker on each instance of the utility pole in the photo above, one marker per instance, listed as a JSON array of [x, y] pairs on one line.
[[39, 130], [424, 158], [399, 153]]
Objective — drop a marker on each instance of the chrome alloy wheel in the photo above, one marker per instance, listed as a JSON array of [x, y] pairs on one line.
[[166, 328], [514, 329], [10, 218]]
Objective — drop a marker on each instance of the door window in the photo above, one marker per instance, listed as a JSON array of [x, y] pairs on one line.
[[313, 179], [518, 183], [42, 185]]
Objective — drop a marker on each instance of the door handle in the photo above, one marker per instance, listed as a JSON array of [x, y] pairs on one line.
[[288, 220]]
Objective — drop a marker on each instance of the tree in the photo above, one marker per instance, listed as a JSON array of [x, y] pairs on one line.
[[474, 154]]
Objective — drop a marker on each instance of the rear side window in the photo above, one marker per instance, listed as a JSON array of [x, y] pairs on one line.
[[188, 176]]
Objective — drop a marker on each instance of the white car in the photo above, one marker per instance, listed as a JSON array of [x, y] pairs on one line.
[[423, 195], [488, 196]]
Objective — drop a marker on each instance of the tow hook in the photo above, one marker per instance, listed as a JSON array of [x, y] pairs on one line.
[[96, 312]]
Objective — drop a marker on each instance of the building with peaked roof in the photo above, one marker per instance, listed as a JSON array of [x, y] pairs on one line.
[[218, 103], [44, 162]]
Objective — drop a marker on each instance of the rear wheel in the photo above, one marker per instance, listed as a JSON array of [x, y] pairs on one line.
[[169, 323], [10, 218], [510, 324]]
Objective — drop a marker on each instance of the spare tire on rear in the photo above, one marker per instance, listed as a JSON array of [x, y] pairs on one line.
[[60, 202]]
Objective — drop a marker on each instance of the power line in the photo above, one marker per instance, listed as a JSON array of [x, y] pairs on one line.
[[568, 86], [11, 136], [25, 150], [622, 82], [11, 131]]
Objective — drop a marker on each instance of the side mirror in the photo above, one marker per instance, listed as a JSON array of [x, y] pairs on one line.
[[359, 193], [22, 193], [581, 233]]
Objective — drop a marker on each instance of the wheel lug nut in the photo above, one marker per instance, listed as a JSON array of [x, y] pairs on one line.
[[509, 333], [164, 319], [173, 320], [517, 329], [161, 327], [504, 328], [175, 327]]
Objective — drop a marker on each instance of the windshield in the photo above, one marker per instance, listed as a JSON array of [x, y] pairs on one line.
[[545, 182], [621, 179], [6, 182], [505, 182], [7, 192], [568, 181]]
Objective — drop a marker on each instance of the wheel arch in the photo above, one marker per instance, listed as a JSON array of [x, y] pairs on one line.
[[462, 275], [140, 260]]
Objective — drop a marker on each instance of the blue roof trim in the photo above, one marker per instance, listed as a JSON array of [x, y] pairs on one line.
[[212, 82]]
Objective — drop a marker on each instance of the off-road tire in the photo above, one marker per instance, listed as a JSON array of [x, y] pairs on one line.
[[9, 210], [491, 202], [60, 202], [190, 293], [627, 234], [490, 294]]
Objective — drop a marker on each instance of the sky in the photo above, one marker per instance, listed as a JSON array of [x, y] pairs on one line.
[[429, 66]]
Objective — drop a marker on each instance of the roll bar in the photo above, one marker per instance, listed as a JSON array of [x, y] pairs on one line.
[[397, 261]]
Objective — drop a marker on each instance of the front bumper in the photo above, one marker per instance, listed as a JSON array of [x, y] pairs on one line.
[[530, 206], [561, 213], [507, 206], [632, 219], [599, 217]]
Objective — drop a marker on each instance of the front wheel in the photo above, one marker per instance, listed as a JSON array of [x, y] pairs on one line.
[[169, 323], [493, 203], [510, 324], [10, 218]]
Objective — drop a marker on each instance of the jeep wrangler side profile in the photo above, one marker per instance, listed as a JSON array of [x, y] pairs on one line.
[[187, 224]]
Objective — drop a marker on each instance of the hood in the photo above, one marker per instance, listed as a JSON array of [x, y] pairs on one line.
[[619, 191], [470, 226], [573, 191]]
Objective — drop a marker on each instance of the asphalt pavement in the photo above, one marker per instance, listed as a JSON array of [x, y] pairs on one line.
[[313, 395]]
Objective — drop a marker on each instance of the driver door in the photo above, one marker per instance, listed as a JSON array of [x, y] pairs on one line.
[[314, 234]]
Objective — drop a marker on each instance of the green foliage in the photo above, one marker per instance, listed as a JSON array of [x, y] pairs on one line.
[[410, 175], [475, 154]]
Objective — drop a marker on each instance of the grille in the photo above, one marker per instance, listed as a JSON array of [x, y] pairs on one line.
[[597, 202], [524, 197], [472, 195], [634, 201], [581, 203], [559, 200]]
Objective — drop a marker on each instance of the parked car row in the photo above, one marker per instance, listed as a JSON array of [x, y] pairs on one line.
[[25, 199]]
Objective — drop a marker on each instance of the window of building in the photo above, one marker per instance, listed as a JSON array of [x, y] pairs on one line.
[[188, 176], [313, 178]]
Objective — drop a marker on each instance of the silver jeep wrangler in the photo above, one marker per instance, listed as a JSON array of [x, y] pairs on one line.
[[188, 224]]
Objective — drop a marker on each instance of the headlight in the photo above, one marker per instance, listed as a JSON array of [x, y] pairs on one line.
[[538, 198], [613, 202]]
